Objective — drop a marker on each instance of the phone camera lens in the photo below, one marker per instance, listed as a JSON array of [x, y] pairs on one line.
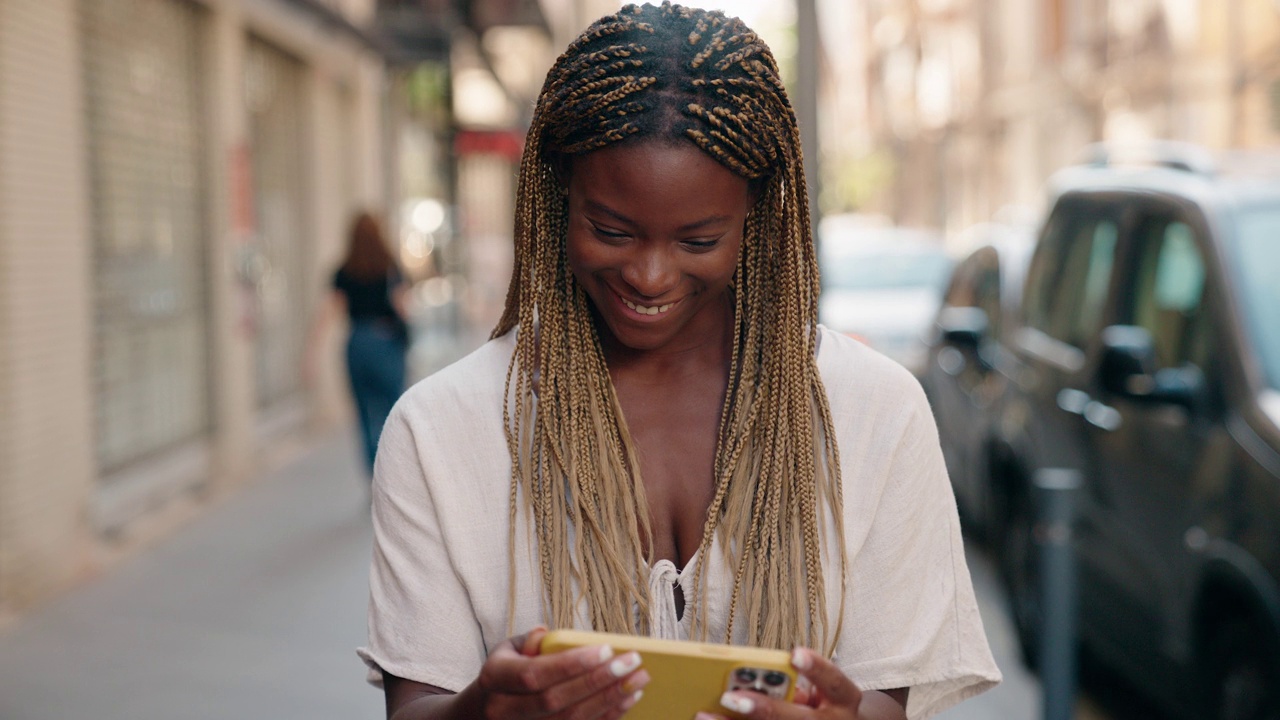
[[774, 678], [745, 675]]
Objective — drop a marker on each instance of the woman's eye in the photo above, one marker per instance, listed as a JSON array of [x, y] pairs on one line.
[[610, 234], [702, 244]]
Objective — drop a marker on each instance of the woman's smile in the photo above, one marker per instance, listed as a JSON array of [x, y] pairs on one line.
[[654, 234], [646, 310]]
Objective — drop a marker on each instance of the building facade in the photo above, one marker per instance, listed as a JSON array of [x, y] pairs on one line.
[[970, 105], [176, 180]]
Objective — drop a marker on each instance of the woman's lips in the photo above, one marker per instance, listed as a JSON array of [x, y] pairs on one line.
[[647, 309]]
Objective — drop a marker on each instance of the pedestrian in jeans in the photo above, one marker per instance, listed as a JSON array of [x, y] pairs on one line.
[[370, 290]]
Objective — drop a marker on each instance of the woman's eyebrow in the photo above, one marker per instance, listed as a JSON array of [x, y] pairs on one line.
[[704, 222], [598, 207], [696, 224]]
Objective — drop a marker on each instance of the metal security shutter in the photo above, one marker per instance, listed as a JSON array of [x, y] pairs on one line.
[[273, 87], [142, 79]]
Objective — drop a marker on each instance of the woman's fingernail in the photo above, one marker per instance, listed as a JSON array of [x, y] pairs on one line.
[[624, 664], [630, 702], [800, 659], [737, 703], [606, 652], [636, 681], [705, 716]]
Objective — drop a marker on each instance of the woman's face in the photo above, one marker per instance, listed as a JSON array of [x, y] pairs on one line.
[[654, 234]]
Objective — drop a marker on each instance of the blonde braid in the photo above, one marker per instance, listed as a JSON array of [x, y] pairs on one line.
[[673, 73]]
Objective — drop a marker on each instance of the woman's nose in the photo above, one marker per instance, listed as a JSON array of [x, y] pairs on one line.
[[651, 272]]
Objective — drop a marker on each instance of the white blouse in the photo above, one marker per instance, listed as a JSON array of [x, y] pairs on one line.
[[439, 593]]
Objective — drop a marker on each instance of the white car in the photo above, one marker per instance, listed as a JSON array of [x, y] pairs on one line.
[[883, 285]]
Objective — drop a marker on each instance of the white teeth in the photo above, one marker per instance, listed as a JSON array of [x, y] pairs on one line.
[[647, 310]]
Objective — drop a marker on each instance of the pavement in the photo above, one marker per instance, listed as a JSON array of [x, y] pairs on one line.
[[1017, 697], [254, 610]]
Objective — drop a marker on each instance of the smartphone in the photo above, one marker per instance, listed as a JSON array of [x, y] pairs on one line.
[[689, 677]]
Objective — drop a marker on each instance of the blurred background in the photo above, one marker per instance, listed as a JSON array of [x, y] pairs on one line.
[[177, 179]]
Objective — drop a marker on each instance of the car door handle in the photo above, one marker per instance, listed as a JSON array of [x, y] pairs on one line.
[[1073, 401], [1100, 415]]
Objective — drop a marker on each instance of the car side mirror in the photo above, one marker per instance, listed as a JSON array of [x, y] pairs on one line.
[[963, 327], [1128, 361], [1129, 370]]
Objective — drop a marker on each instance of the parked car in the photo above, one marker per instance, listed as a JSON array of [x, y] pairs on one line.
[[963, 373], [883, 284], [1148, 361]]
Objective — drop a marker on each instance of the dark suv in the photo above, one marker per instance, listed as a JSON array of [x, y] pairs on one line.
[[963, 371], [1148, 360]]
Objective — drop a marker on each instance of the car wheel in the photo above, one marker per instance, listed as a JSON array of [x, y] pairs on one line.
[[1244, 674], [1020, 565]]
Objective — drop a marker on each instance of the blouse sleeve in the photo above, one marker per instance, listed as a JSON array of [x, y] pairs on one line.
[[910, 617], [421, 623]]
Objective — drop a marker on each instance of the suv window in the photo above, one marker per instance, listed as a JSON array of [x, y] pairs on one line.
[[976, 283], [1068, 282], [986, 288], [960, 291], [1257, 259], [1168, 292]]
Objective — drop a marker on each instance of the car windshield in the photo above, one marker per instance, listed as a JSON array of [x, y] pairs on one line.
[[1257, 260], [887, 270]]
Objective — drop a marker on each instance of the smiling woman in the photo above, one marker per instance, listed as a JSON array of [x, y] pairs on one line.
[[689, 454]]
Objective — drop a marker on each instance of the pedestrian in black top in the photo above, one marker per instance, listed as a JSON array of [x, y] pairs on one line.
[[370, 290]]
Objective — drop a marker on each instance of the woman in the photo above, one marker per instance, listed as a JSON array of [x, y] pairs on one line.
[[369, 289], [687, 453]]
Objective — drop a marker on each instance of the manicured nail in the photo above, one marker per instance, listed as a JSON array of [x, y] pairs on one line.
[[737, 703], [606, 652], [800, 659], [631, 701], [705, 716], [624, 664]]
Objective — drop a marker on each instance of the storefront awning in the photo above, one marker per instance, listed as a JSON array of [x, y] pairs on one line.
[[421, 30]]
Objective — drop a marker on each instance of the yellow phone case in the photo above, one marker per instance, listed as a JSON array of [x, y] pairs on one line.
[[689, 677]]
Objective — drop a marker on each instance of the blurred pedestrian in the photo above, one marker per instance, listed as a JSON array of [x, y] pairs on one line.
[[659, 439], [369, 289]]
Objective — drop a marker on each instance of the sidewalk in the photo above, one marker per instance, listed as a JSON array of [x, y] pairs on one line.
[[252, 611], [1017, 697]]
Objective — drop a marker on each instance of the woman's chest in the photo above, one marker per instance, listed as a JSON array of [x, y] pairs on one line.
[[674, 437]]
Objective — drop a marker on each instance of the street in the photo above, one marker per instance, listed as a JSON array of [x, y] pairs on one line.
[[254, 611]]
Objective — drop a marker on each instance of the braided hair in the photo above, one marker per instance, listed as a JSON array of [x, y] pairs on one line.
[[673, 74]]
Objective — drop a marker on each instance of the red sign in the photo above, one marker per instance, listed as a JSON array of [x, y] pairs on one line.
[[507, 143]]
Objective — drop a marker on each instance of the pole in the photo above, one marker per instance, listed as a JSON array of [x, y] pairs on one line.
[[806, 100], [1056, 490]]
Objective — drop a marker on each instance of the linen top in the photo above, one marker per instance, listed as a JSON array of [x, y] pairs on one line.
[[439, 593]]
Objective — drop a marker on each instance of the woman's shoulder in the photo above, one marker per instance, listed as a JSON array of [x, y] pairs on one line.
[[857, 376], [472, 384]]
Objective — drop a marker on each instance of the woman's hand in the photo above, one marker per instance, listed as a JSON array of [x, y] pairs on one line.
[[823, 692], [581, 684]]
